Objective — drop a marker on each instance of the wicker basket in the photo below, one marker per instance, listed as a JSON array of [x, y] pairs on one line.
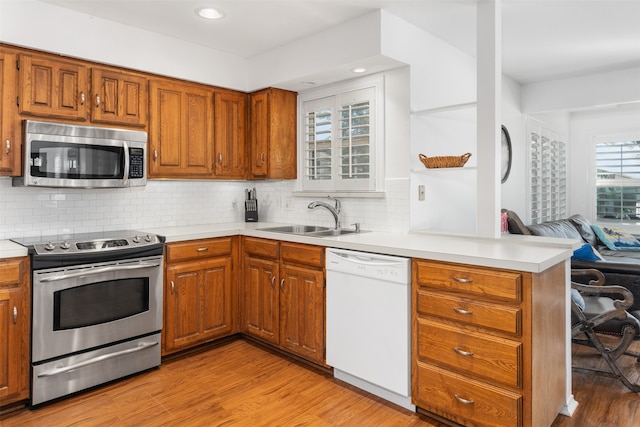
[[444, 161]]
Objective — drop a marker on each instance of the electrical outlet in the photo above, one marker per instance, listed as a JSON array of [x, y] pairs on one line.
[[288, 204], [421, 192]]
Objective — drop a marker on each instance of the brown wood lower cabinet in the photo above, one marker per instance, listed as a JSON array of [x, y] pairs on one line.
[[15, 315], [200, 292], [488, 345], [284, 296]]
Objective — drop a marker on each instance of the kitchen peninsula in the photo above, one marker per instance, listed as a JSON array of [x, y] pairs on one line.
[[520, 281]]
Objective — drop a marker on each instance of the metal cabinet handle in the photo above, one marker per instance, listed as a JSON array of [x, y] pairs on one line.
[[262, 157], [461, 280], [15, 314], [273, 281], [463, 352], [202, 249], [461, 311], [155, 155], [98, 100], [83, 98], [7, 146], [463, 400], [220, 158], [173, 287], [281, 283]]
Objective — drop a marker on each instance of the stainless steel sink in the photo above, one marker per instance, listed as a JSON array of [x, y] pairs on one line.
[[332, 232], [308, 230], [296, 229]]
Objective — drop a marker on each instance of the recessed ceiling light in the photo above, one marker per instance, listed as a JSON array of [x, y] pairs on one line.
[[210, 13], [358, 70]]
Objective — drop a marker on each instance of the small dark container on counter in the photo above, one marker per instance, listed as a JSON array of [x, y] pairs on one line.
[[251, 210]]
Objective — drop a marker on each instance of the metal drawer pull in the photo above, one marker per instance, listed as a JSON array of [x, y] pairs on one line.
[[461, 311], [97, 100], [57, 371], [262, 157], [273, 281], [82, 98], [463, 401], [7, 146], [173, 287], [15, 314], [203, 249], [463, 352], [220, 158], [461, 280], [281, 283], [155, 154]]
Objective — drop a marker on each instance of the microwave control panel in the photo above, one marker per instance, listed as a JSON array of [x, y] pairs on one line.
[[136, 163]]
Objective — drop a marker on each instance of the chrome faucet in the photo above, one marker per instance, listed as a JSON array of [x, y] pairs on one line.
[[335, 211]]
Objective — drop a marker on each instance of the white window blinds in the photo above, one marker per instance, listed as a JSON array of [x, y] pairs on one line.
[[338, 140], [548, 179]]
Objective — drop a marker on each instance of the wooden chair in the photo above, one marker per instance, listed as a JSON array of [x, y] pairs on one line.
[[595, 311]]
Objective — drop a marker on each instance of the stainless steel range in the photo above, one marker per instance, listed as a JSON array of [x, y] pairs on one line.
[[96, 310]]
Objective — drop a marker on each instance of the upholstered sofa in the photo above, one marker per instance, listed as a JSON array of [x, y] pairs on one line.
[[620, 267]]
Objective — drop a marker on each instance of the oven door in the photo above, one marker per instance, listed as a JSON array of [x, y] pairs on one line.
[[82, 307]]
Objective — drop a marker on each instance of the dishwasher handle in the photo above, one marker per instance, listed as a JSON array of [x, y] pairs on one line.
[[365, 260]]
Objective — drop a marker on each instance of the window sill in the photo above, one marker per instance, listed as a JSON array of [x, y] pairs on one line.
[[338, 194]]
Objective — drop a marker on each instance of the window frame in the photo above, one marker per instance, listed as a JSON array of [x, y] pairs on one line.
[[599, 139], [374, 186]]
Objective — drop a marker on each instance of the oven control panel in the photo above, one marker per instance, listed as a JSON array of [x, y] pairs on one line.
[[94, 243]]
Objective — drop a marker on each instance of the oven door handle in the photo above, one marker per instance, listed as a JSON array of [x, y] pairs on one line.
[[58, 371], [99, 270]]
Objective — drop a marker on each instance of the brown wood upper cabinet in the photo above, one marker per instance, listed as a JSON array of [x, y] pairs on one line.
[[15, 317], [52, 87], [272, 134], [230, 135], [118, 97], [10, 141], [180, 130]]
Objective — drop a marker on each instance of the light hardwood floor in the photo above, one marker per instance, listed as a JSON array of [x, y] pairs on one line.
[[243, 384]]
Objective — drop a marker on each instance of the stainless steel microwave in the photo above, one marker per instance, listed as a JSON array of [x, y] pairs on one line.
[[72, 156]]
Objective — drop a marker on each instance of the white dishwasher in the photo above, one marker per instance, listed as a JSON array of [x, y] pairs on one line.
[[368, 322]]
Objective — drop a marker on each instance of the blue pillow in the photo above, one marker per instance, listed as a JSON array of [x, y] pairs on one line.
[[616, 239], [586, 253], [577, 299]]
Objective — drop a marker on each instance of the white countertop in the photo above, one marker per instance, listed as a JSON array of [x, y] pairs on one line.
[[507, 253], [8, 249]]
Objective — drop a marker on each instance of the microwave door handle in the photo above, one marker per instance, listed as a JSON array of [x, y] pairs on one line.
[[125, 179], [98, 270]]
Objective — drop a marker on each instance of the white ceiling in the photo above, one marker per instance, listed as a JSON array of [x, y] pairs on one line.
[[542, 39]]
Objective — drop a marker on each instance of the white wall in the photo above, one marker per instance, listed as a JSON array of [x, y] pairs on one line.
[[585, 126], [42, 26]]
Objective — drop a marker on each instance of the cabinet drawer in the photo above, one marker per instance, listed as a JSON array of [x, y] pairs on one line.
[[454, 396], [500, 284], [11, 272], [486, 315], [302, 254], [262, 248], [194, 249], [480, 355]]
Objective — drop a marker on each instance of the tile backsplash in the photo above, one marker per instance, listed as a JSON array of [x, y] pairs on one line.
[[26, 212]]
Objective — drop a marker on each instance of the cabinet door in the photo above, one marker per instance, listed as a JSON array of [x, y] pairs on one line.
[[182, 324], [261, 299], [230, 135], [10, 141], [14, 330], [180, 123], [118, 97], [259, 134], [302, 305], [217, 308], [273, 138], [52, 88]]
